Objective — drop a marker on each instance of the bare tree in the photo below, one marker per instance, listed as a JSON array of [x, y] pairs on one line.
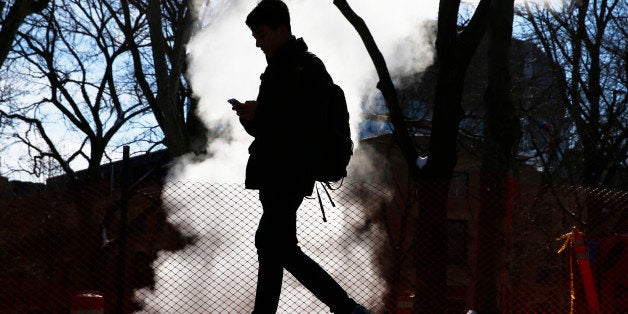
[[76, 60], [105, 65], [12, 17], [169, 27], [454, 51], [585, 44]]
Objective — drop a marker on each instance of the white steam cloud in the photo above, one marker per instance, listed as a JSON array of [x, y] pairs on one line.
[[224, 64]]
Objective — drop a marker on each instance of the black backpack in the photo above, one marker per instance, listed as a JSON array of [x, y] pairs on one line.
[[335, 146]]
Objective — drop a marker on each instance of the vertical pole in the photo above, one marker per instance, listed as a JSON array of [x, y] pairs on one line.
[[123, 229], [111, 175]]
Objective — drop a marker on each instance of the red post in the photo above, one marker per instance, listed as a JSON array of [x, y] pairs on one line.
[[405, 303], [87, 302], [582, 258]]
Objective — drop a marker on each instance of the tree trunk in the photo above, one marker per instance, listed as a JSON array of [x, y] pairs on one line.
[[501, 133], [166, 105], [454, 54], [454, 51]]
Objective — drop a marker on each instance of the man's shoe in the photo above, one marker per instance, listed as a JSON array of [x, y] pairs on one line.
[[360, 309]]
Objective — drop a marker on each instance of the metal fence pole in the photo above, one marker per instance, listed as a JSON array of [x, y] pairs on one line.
[[123, 228]]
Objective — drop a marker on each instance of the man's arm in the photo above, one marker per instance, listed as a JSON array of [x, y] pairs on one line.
[[246, 111]]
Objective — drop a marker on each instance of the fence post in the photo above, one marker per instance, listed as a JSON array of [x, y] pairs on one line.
[[123, 229]]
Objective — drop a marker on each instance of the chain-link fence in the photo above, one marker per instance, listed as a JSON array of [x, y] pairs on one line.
[[184, 247]]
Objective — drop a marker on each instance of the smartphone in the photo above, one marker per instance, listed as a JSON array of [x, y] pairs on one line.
[[234, 102]]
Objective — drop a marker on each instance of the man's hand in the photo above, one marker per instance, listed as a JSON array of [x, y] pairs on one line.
[[246, 110]]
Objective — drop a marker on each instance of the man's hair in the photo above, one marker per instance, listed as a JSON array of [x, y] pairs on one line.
[[269, 12]]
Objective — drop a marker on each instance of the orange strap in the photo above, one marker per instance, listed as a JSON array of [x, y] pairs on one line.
[[568, 238], [574, 239]]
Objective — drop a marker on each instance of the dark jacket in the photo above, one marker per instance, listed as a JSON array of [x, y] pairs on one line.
[[293, 90]]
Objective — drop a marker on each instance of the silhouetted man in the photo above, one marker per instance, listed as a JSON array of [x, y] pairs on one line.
[[294, 87]]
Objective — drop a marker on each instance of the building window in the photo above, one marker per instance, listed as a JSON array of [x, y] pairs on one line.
[[459, 185]]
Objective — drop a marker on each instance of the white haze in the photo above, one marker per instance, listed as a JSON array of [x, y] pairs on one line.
[[225, 64]]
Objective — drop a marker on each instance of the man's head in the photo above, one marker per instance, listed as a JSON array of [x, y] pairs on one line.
[[270, 23]]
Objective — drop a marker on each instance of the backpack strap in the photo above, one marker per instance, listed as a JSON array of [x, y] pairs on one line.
[[320, 202], [327, 192]]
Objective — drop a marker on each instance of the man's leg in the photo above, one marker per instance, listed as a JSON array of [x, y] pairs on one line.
[[276, 233], [277, 248], [269, 279], [319, 282]]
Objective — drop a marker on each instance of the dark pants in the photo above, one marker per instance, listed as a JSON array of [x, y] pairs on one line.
[[277, 248]]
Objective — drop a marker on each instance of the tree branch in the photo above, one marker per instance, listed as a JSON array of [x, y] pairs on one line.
[[385, 85], [14, 18], [42, 131]]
